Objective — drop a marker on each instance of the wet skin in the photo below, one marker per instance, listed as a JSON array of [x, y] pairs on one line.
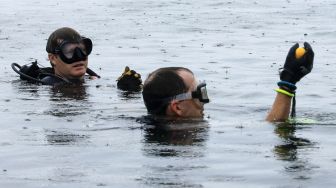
[[189, 107]]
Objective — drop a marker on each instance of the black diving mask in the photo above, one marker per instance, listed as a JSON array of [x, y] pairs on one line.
[[200, 93], [71, 52]]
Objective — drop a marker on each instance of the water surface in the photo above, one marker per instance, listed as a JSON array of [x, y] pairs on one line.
[[95, 136]]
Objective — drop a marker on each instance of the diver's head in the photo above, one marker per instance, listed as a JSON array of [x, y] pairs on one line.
[[174, 92], [68, 52]]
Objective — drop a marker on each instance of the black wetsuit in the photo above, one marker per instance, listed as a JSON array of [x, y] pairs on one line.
[[46, 75], [52, 80]]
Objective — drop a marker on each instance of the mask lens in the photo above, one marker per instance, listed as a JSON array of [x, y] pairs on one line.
[[204, 93], [201, 93], [87, 44], [69, 49]]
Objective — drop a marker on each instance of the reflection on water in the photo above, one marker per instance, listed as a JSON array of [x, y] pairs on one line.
[[68, 100], [27, 88], [291, 150], [288, 150], [184, 140], [184, 132], [68, 91], [129, 95], [176, 138], [65, 138], [175, 143]]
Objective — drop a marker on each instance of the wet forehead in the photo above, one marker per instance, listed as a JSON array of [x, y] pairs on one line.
[[188, 78]]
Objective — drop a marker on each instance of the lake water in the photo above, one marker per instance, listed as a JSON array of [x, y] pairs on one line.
[[94, 136]]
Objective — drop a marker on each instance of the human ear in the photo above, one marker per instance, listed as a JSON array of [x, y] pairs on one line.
[[176, 108], [52, 58]]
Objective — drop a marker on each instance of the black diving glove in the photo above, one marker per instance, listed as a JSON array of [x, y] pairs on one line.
[[296, 68], [129, 80]]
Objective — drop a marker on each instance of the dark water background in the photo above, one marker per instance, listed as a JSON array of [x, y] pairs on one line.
[[92, 136]]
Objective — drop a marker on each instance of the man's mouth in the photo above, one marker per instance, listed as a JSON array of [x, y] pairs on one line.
[[78, 65]]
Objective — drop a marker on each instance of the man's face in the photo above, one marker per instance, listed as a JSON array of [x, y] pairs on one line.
[[190, 107], [74, 70]]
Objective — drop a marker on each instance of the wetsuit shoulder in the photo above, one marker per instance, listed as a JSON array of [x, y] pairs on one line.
[[52, 80]]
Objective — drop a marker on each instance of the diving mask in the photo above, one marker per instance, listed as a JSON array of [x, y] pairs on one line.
[[71, 52], [200, 93]]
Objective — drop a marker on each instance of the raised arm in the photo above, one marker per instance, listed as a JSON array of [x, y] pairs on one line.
[[295, 68]]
